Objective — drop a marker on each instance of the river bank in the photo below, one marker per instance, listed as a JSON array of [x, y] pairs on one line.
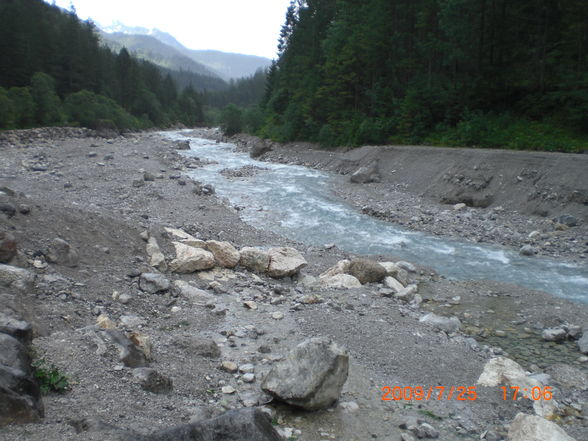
[[101, 195], [509, 198]]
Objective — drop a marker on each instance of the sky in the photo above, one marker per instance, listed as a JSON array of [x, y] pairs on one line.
[[248, 27]]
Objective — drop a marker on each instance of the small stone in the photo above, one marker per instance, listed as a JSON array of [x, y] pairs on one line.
[[250, 305], [249, 378], [152, 381], [105, 322], [527, 250], [460, 206], [228, 390], [277, 315], [554, 334], [246, 368], [125, 298], [229, 367]]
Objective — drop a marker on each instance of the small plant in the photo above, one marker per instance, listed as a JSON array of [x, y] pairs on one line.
[[430, 414], [49, 377]]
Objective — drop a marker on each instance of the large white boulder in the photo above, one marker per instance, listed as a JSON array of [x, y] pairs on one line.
[[224, 253], [190, 259], [285, 262], [339, 281], [534, 428]]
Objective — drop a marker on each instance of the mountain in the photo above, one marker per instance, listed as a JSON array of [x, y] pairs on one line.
[[225, 65]]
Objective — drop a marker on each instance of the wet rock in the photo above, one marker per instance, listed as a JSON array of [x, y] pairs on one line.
[[249, 424], [447, 324], [7, 247], [339, 281], [62, 253], [568, 220], [534, 428], [554, 334], [285, 262], [16, 278], [156, 257], [208, 189], [366, 270], [568, 376], [152, 381], [406, 266], [182, 145], [366, 174], [527, 250], [312, 375], [258, 148], [20, 397], [190, 259], [224, 253], [153, 283], [254, 259]]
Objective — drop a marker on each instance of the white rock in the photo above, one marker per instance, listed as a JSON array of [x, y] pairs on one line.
[[339, 281], [460, 206], [192, 293], [228, 390], [249, 378], [340, 268], [190, 259], [277, 315], [16, 278], [406, 266], [156, 257], [392, 283], [285, 262], [407, 294], [224, 253], [254, 259], [447, 324], [534, 428], [502, 370]]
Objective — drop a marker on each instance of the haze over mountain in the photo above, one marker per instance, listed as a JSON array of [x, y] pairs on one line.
[[165, 50]]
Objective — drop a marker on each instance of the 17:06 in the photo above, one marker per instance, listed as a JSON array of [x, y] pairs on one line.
[[533, 393]]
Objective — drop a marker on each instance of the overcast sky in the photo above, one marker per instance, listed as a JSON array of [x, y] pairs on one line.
[[248, 27]]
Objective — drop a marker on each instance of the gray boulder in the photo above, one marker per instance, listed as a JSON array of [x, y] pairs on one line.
[[366, 174], [312, 375], [259, 148], [152, 381], [183, 145], [554, 334], [62, 253], [20, 397], [13, 354], [16, 278], [367, 271], [583, 343], [153, 283], [12, 324], [527, 250], [244, 424], [254, 259], [568, 220]]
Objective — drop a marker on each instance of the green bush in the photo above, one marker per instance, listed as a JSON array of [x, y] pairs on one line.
[[7, 110], [50, 378], [24, 106], [88, 109]]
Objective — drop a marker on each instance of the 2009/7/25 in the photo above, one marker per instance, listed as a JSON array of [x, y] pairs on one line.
[[419, 393]]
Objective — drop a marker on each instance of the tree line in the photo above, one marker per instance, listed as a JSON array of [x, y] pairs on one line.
[[491, 73], [53, 70]]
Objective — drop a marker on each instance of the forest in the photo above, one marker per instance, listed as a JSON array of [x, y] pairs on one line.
[[53, 70], [487, 73]]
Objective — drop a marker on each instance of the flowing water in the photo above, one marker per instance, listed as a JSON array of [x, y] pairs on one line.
[[297, 202]]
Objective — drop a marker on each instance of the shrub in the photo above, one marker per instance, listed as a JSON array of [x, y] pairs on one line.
[[49, 377]]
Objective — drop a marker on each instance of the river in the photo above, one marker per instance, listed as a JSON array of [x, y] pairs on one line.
[[298, 203]]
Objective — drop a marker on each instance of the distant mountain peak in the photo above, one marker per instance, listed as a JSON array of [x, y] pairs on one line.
[[226, 65]]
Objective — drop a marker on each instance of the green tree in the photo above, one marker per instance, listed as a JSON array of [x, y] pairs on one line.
[[24, 106], [46, 100], [231, 120], [6, 110]]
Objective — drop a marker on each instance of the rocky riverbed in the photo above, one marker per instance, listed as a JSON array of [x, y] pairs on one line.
[[153, 335]]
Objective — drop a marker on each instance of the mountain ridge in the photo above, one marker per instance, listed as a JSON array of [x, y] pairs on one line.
[[226, 65]]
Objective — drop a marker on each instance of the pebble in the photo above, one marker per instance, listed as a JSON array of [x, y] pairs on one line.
[[277, 315], [228, 390], [249, 378], [229, 367]]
